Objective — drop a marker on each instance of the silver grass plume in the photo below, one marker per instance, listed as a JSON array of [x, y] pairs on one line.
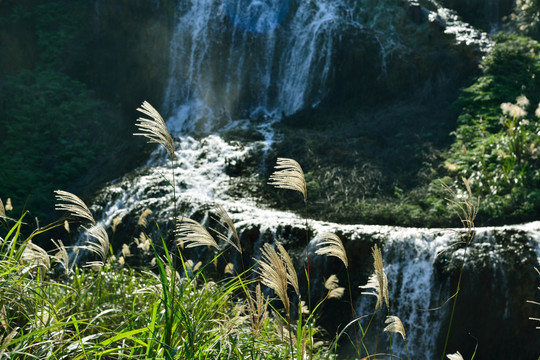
[[154, 129], [394, 325], [192, 234], [35, 255], [292, 278], [455, 356], [62, 256], [378, 282], [273, 274], [73, 205], [289, 175], [223, 216], [331, 245], [100, 246], [466, 209], [2, 209], [334, 291], [142, 218], [9, 207]]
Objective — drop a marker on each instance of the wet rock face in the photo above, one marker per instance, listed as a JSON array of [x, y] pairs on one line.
[[128, 54], [484, 14]]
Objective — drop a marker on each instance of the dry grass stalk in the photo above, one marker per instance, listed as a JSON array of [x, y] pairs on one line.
[[154, 129], [224, 217], [273, 272], [394, 325], [192, 234], [73, 205], [378, 281], [289, 175], [331, 245], [455, 356]]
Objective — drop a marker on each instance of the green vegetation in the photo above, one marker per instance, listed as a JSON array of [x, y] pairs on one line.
[[53, 127], [497, 139]]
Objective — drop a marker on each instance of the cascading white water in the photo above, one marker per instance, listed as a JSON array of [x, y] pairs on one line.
[[245, 58]]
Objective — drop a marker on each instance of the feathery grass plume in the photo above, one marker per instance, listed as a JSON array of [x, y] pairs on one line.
[[273, 274], [334, 291], [154, 129], [125, 250], [223, 216], [229, 269], [394, 325], [331, 245], [35, 255], [73, 205], [66, 226], [116, 221], [62, 256], [258, 306], [9, 207], [289, 175], [332, 282], [378, 281], [192, 234], [292, 278], [455, 356], [2, 209], [142, 219], [537, 111], [142, 242], [101, 247], [466, 209], [512, 110]]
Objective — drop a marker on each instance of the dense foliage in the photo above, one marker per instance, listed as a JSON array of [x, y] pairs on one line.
[[497, 138], [53, 127]]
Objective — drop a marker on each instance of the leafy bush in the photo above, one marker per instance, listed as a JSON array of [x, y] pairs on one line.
[[497, 139]]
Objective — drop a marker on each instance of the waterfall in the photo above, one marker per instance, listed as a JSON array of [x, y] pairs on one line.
[[248, 58], [240, 65]]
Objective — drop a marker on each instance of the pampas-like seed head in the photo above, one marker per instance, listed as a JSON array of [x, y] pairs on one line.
[[2, 209], [334, 291], [455, 356], [9, 207], [142, 219], [331, 245], [35, 255], [101, 245], [289, 175], [394, 325], [273, 274], [292, 278], [229, 269], [62, 256], [73, 205], [378, 281], [224, 217], [154, 129], [192, 234]]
